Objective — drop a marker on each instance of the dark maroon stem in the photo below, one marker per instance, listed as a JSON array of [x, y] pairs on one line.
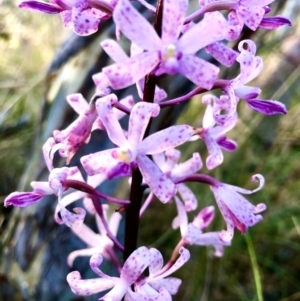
[[211, 7], [202, 178], [84, 187], [98, 207], [136, 192], [122, 108], [219, 84]]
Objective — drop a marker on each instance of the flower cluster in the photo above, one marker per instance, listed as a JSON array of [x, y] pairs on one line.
[[150, 159]]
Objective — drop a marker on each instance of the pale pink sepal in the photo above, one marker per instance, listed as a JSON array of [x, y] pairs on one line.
[[256, 2], [173, 18], [172, 158], [188, 197], [214, 23], [194, 236], [139, 119], [147, 293], [188, 167], [134, 26], [251, 65], [110, 121], [127, 101], [88, 252], [88, 287], [122, 75], [182, 219], [47, 152], [235, 26], [215, 157], [65, 201], [102, 83], [170, 284], [113, 49], [118, 76], [78, 103]]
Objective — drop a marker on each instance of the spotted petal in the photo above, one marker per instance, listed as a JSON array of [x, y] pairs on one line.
[[135, 264], [173, 18], [156, 262], [122, 75], [166, 139], [214, 23], [163, 188], [251, 15], [104, 107], [139, 119], [135, 27], [113, 49], [200, 72], [83, 23], [187, 168], [188, 197], [222, 53], [88, 287]]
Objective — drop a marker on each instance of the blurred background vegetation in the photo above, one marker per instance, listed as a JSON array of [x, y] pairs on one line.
[[41, 63]]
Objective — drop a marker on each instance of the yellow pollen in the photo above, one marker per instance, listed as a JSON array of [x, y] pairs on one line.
[[124, 155], [170, 52]]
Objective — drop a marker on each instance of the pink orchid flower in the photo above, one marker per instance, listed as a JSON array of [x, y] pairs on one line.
[[236, 210], [157, 286], [170, 54], [192, 233], [54, 185], [132, 151]]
